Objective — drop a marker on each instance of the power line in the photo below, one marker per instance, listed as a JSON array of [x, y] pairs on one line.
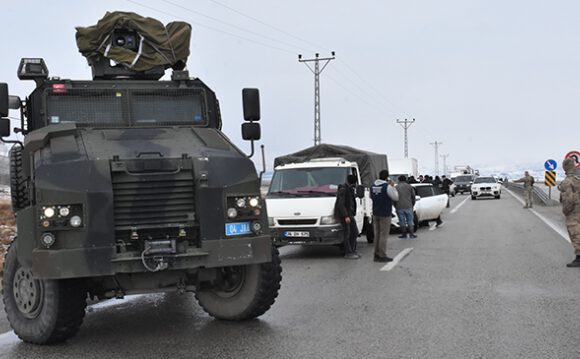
[[210, 27], [268, 25], [229, 24], [317, 71], [406, 124]]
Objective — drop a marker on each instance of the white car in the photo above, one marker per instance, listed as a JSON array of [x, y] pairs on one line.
[[485, 187], [429, 205]]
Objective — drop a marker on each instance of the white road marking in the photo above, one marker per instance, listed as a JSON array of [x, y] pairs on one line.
[[11, 337], [549, 223], [405, 252], [459, 205]]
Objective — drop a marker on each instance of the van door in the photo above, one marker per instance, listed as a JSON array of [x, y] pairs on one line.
[[360, 202]]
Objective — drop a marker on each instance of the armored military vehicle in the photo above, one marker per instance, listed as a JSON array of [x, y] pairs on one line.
[[125, 184]]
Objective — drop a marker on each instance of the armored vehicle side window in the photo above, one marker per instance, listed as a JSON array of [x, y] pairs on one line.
[[88, 107], [170, 106]]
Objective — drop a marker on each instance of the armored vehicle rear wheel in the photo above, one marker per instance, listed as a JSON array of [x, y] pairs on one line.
[[41, 311], [18, 189], [247, 291]]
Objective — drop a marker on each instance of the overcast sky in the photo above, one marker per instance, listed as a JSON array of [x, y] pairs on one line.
[[497, 82]]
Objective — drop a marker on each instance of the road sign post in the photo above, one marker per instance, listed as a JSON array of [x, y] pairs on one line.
[[550, 181]]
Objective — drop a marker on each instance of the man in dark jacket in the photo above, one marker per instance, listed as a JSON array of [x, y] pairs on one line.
[[404, 207], [383, 194], [345, 210]]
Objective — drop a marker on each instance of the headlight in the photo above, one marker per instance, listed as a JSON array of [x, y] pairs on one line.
[[256, 227], [47, 239], [328, 220], [63, 211], [48, 212], [254, 202], [232, 213], [241, 202], [75, 221]]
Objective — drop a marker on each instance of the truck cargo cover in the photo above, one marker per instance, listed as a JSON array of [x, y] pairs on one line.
[[159, 45], [369, 163]]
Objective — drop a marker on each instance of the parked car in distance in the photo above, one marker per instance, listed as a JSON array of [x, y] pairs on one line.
[[485, 187], [429, 205], [463, 183]]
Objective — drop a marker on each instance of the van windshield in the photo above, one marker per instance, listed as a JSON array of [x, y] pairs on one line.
[[301, 181]]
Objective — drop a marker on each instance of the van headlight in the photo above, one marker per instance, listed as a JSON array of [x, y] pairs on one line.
[[328, 220]]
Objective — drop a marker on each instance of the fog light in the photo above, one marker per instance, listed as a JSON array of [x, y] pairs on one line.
[[75, 221], [232, 213], [254, 202], [46, 224], [48, 212], [47, 239], [256, 227], [241, 202], [64, 211], [257, 212]]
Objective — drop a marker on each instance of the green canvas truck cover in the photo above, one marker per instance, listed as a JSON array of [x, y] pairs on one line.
[[369, 163], [159, 45]]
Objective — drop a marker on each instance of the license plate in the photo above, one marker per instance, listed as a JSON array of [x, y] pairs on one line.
[[296, 234], [238, 229]]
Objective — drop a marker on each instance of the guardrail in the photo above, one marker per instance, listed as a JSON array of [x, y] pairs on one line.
[[539, 196]]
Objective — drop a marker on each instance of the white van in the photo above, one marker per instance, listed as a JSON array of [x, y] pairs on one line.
[[301, 200]]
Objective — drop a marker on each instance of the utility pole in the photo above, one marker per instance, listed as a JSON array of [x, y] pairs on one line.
[[316, 71], [436, 145], [406, 124], [445, 163]]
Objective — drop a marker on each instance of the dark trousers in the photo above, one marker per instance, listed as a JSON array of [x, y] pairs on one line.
[[350, 232]]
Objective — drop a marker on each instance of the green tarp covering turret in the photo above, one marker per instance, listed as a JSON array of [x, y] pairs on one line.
[[136, 42]]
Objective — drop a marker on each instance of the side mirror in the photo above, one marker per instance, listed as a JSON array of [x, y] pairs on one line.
[[4, 100], [4, 127], [251, 103], [417, 198], [360, 191], [251, 131]]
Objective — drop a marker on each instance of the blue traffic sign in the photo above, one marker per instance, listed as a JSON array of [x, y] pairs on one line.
[[550, 165]]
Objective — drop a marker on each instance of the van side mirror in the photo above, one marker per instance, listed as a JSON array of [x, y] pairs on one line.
[[417, 198], [4, 127], [251, 131], [4, 100], [251, 103], [360, 191]]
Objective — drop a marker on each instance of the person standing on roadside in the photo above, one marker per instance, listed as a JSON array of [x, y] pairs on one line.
[[383, 194], [404, 207], [528, 182], [570, 199], [345, 209], [446, 187]]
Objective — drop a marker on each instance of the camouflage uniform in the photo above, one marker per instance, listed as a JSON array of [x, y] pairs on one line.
[[570, 199], [528, 182]]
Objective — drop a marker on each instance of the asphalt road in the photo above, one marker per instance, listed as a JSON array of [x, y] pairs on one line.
[[490, 283]]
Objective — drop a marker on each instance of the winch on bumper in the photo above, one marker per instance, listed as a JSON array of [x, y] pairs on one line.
[[307, 235]]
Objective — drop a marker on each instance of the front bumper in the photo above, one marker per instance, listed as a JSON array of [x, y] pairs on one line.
[[326, 235], [96, 262], [485, 193]]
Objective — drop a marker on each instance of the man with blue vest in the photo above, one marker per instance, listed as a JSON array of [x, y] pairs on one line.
[[383, 194]]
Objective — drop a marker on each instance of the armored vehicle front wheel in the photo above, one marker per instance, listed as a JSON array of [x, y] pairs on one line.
[[246, 291], [41, 311]]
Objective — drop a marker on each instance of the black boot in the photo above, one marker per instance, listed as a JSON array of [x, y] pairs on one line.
[[575, 263], [403, 232]]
